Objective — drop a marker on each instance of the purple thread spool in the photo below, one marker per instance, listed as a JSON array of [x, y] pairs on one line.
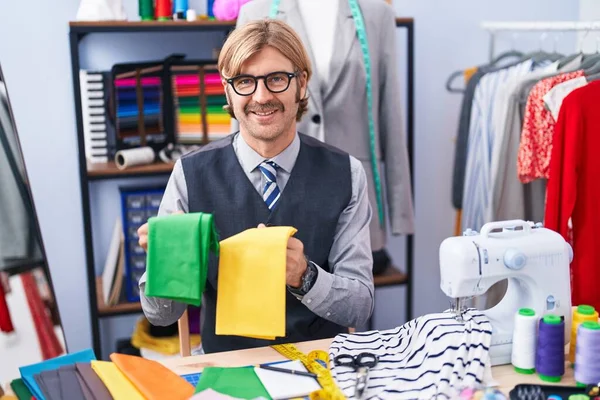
[[550, 354], [587, 369]]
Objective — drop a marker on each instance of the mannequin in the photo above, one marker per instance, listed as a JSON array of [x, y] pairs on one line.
[[338, 107]]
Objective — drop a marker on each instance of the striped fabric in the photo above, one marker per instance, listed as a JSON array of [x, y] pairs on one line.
[[476, 194], [433, 356], [271, 192]]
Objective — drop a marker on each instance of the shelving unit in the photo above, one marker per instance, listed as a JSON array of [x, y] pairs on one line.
[[97, 171], [88, 173]]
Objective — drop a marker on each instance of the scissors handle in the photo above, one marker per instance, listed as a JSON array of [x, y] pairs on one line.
[[368, 360], [345, 360]]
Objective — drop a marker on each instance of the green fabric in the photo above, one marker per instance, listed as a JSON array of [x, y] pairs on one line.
[[178, 251], [196, 109], [240, 382], [211, 100], [21, 391]]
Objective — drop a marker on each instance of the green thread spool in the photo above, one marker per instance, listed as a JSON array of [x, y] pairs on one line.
[[146, 10]]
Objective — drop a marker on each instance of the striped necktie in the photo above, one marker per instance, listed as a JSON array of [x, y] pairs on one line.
[[271, 191]]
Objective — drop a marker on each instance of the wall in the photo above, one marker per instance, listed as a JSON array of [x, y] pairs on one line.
[[34, 55], [589, 10]]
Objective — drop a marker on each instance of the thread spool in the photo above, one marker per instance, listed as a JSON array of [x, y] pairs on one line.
[[191, 15], [587, 368], [550, 353], [131, 157], [180, 6], [580, 314], [524, 341], [146, 10], [209, 8], [163, 10]]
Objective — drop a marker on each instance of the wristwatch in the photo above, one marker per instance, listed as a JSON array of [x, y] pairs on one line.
[[308, 279]]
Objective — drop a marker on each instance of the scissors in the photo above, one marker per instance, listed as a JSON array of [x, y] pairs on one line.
[[360, 364]]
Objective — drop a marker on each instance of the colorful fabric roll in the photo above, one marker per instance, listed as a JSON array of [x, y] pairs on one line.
[[188, 113]]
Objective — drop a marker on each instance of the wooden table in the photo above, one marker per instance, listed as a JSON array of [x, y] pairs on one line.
[[505, 375]]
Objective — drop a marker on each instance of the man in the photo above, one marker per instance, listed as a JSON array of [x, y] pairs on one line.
[[269, 174]]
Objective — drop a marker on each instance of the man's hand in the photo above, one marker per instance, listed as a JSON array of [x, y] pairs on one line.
[[295, 262], [143, 233]]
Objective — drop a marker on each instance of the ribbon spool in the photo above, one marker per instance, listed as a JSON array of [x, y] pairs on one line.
[[580, 314], [550, 353], [524, 341], [587, 368]]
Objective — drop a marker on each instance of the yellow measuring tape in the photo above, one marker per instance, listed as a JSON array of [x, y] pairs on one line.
[[314, 363]]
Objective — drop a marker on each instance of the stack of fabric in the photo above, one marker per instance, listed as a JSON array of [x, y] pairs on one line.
[[189, 99], [79, 376], [127, 110]]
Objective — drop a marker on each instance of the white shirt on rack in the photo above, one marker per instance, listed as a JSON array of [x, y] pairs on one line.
[[320, 20]]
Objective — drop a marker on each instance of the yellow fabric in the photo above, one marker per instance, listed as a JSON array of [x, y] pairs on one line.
[[117, 384], [251, 287], [210, 119], [469, 72], [141, 338]]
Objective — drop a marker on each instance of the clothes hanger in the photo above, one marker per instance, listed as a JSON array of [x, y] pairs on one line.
[[593, 70], [451, 78], [566, 59], [541, 54], [593, 73], [589, 60], [507, 54]]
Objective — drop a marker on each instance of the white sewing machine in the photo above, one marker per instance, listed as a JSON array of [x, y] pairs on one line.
[[534, 259]]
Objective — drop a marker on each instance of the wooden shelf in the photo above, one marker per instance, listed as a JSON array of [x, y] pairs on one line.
[[149, 26], [119, 309], [165, 26], [391, 276], [109, 170]]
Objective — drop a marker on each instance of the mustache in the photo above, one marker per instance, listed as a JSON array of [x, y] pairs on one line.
[[265, 107]]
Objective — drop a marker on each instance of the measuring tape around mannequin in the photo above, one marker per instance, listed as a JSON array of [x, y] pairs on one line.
[[361, 32], [316, 362]]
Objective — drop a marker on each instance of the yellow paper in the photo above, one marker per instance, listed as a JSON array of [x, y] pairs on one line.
[[251, 287], [117, 384]]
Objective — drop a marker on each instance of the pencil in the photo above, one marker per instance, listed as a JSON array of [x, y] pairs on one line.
[[288, 371]]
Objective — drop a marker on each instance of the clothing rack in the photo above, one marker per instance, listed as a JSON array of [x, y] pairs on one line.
[[536, 26]]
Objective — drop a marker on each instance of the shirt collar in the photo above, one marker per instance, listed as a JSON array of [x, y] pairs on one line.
[[250, 159]]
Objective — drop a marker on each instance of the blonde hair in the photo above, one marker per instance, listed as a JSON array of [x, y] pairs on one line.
[[249, 39]]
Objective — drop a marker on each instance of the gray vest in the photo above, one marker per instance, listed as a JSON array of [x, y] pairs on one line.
[[318, 190]]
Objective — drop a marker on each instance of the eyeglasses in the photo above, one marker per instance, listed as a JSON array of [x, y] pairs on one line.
[[276, 82]]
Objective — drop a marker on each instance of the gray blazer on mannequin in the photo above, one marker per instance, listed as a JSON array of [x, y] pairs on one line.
[[341, 103]]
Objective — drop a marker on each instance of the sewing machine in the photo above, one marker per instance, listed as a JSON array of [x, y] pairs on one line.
[[535, 260]]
